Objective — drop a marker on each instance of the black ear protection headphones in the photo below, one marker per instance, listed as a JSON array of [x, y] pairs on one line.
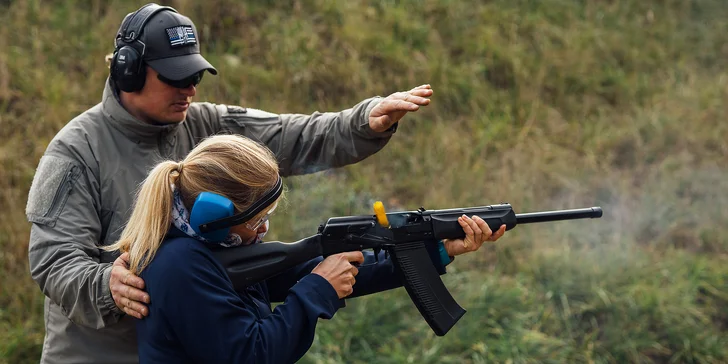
[[127, 65]]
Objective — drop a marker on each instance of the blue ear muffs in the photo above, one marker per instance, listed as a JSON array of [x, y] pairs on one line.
[[228, 221], [210, 207]]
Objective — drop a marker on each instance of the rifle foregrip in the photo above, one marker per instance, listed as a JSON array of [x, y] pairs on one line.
[[445, 223], [425, 288]]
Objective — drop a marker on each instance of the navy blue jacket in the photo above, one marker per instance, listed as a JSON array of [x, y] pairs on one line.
[[195, 315]]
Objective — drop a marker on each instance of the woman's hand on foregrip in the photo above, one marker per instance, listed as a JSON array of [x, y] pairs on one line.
[[127, 289], [477, 232], [338, 270]]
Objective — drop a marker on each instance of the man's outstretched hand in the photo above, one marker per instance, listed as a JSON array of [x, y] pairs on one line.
[[393, 107]]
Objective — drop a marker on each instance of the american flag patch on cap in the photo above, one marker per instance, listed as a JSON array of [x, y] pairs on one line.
[[181, 35]]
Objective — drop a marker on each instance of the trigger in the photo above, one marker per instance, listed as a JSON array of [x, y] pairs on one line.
[[376, 254]]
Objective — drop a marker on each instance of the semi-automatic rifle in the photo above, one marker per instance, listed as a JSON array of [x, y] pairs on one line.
[[403, 235]]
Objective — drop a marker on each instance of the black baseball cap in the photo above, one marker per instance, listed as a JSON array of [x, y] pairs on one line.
[[171, 46]]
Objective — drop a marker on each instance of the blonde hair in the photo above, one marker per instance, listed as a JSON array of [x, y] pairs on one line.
[[229, 165]]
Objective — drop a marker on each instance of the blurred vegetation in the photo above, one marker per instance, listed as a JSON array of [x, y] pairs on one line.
[[545, 104]]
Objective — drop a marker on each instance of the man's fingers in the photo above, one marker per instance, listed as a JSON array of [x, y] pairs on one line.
[[130, 279], [135, 282], [132, 307], [136, 295], [125, 257], [418, 97], [415, 97], [421, 92], [126, 291], [122, 261], [121, 273], [131, 312], [391, 106], [425, 87], [390, 111], [135, 309], [405, 101]]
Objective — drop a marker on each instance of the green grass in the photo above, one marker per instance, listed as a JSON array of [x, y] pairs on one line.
[[544, 104]]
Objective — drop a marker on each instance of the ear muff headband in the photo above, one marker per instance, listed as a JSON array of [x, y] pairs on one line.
[[127, 66], [138, 20], [260, 205]]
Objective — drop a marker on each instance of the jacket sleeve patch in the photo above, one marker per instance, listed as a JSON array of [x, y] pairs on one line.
[[52, 183], [241, 116], [232, 109]]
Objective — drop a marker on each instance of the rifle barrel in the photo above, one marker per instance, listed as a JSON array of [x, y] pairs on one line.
[[545, 216]]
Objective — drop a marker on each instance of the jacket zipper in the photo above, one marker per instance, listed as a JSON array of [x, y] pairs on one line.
[[63, 190]]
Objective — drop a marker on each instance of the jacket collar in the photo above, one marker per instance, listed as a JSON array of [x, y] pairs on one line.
[[131, 127], [174, 232]]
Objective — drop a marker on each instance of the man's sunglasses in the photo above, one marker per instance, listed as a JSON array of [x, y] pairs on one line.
[[193, 80]]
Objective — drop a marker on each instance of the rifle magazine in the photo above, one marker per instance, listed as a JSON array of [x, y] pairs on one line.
[[425, 288]]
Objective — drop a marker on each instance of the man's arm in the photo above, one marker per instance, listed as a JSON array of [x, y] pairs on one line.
[[311, 143], [64, 259]]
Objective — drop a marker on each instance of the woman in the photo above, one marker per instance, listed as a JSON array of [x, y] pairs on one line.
[[232, 184]]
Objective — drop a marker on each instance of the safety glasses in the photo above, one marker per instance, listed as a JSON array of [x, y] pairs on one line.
[[255, 225], [193, 80], [269, 198]]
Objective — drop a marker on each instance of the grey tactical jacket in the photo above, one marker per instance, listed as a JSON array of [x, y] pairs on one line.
[[83, 191]]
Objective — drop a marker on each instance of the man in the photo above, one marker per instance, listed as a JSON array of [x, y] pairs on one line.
[[83, 189]]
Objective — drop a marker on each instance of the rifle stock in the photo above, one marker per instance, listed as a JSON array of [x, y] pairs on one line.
[[247, 265]]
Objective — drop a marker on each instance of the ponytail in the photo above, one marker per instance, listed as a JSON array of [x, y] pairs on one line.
[[151, 217], [232, 166]]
